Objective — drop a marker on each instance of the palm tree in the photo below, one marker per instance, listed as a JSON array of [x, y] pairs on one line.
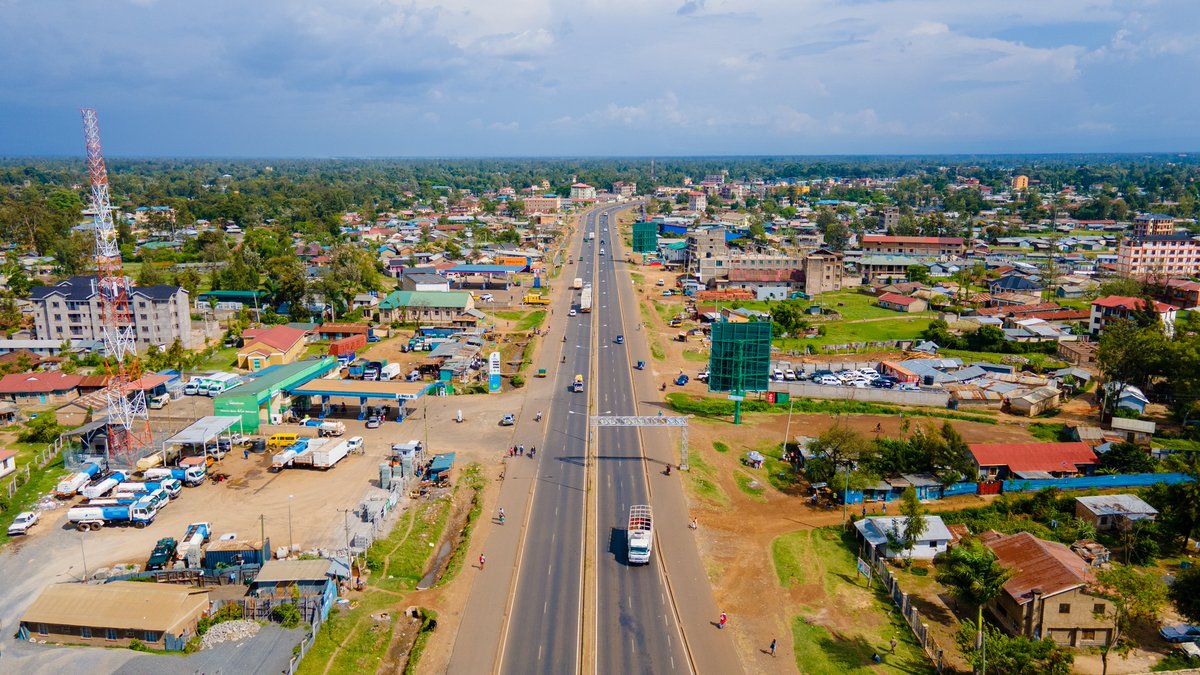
[[975, 575]]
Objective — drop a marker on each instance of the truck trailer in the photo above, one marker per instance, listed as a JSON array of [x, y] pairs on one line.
[[190, 476], [70, 485], [193, 539], [94, 516], [585, 300], [578, 283], [640, 534], [102, 487], [327, 457]]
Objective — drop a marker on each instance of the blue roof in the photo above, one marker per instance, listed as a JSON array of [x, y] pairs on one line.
[[486, 269]]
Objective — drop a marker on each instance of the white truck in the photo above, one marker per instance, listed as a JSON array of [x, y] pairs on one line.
[[331, 428], [585, 300], [390, 372], [326, 457], [578, 283], [195, 537], [640, 534], [102, 487]]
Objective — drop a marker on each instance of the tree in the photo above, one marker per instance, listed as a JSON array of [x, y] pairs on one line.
[[1131, 355], [1127, 458], [1133, 597], [1185, 593], [835, 449], [151, 275], [975, 575], [837, 235], [914, 518], [1013, 655], [189, 280], [788, 317]]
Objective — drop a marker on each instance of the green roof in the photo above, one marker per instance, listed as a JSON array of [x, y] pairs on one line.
[[280, 377], [453, 299], [676, 246]]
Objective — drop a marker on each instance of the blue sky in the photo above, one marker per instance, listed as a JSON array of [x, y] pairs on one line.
[[599, 77]]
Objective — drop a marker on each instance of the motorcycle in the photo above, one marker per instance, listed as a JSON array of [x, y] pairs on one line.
[[538, 416]]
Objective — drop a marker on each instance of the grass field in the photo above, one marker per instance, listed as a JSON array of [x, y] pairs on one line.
[[904, 327], [221, 359], [751, 486], [525, 320], [703, 481]]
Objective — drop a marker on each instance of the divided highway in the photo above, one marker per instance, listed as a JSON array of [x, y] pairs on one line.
[[636, 630], [543, 632]]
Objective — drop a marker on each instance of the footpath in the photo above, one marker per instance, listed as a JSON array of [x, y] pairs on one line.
[[477, 645], [710, 650]]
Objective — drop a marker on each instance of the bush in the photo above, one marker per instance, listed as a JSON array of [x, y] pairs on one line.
[[287, 615], [42, 429], [138, 646], [517, 381]]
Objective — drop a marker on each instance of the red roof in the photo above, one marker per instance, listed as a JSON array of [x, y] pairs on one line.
[[897, 299], [1048, 457], [282, 338], [886, 239], [5, 454], [1129, 304], [37, 383], [347, 328], [1044, 566]]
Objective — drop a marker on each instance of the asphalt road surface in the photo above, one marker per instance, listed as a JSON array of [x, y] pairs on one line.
[[543, 634], [636, 631]]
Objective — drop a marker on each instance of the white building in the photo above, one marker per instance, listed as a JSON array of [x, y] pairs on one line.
[[875, 535]]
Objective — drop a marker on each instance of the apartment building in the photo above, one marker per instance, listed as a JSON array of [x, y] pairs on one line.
[[1116, 307], [582, 192], [825, 271], [890, 217], [71, 310], [1020, 182], [931, 247], [707, 252], [1175, 255], [624, 189], [697, 201], [543, 204], [1153, 225]]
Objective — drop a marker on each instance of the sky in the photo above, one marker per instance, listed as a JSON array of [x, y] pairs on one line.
[[419, 78]]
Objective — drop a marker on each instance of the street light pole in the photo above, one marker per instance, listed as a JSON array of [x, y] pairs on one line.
[[83, 553], [846, 497], [291, 542]]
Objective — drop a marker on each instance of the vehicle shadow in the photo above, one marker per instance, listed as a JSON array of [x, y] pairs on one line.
[[618, 545]]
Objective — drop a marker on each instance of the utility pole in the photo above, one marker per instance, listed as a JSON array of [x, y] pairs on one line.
[[349, 563], [291, 542], [262, 530], [83, 553]]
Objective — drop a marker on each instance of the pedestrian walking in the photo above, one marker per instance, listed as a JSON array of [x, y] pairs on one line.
[[532, 451], [245, 453], [864, 510], [893, 644], [885, 508], [724, 618], [772, 646], [482, 560]]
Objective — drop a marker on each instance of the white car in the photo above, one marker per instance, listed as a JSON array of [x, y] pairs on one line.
[[789, 374], [22, 523], [572, 312], [486, 297], [829, 380], [778, 374]]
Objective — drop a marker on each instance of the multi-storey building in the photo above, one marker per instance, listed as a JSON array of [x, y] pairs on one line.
[[1153, 225], [543, 204], [890, 217], [707, 252], [1020, 182], [697, 201], [1116, 307], [1167, 255], [71, 310], [624, 189], [582, 192], [933, 247]]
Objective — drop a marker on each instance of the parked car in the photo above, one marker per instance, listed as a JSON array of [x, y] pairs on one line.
[[508, 420], [789, 374], [777, 375], [191, 388], [681, 380], [882, 384], [702, 375], [486, 297], [22, 523], [373, 422], [1180, 633], [258, 445], [829, 380]]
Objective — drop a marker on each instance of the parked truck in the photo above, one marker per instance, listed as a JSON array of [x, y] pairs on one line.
[[190, 476], [536, 299], [150, 461], [326, 457], [158, 497], [297, 451], [95, 515], [193, 539], [585, 300], [171, 486], [390, 372], [640, 534], [578, 283], [70, 485], [102, 487]]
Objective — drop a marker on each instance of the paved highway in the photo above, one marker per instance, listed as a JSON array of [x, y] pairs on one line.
[[636, 631], [543, 632]]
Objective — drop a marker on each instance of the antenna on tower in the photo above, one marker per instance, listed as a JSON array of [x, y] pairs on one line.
[[129, 435]]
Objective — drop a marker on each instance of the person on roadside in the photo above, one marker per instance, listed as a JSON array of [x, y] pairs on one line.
[[722, 620], [773, 646], [482, 560], [501, 515], [893, 644]]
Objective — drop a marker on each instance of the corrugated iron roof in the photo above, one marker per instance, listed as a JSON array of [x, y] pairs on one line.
[[1040, 565]]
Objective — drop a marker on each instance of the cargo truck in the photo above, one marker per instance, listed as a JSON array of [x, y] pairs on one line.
[[171, 486], [191, 476], [195, 537], [70, 485], [578, 283], [298, 452], [93, 516], [162, 555], [157, 498], [535, 299], [103, 487], [326, 457], [150, 461], [585, 300], [390, 372], [640, 534]]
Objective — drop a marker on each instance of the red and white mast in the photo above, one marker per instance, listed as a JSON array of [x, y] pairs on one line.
[[129, 436]]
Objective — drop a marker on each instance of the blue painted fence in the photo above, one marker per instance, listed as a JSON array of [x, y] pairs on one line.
[[1097, 482], [961, 489]]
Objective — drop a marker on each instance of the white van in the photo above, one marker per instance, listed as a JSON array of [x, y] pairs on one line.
[[159, 402]]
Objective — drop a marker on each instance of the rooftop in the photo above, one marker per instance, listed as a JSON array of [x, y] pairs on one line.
[[120, 604], [1044, 566], [1033, 456], [1116, 505], [1129, 304]]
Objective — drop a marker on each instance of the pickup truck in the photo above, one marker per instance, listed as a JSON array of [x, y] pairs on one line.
[[162, 555], [22, 523]]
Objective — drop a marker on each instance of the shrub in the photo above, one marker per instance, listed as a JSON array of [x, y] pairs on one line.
[[287, 615], [517, 381], [229, 612], [138, 646]]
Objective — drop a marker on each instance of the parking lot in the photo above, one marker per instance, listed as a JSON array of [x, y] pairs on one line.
[[295, 506]]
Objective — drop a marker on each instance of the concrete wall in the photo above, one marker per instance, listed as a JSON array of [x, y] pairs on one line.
[[937, 399]]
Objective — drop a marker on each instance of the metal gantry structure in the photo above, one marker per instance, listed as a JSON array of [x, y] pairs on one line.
[[660, 422], [129, 435]]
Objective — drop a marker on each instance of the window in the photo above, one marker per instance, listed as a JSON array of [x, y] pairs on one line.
[[1098, 608], [1064, 608], [85, 632], [1089, 635], [43, 629], [151, 636], [110, 634]]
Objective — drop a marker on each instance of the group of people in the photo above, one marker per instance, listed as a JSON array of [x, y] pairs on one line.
[[520, 450]]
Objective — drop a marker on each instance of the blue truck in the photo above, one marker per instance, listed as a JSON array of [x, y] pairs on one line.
[[95, 515]]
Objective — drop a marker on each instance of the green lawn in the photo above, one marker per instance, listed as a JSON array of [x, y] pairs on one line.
[[703, 480], [40, 483], [791, 552], [904, 327], [695, 356], [750, 485], [220, 360], [526, 321]]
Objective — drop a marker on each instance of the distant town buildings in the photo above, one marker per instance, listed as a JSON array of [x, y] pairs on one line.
[[624, 189], [582, 192], [1020, 182], [916, 246]]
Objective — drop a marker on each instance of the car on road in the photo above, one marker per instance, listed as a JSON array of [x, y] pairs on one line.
[[572, 312], [1180, 633], [373, 422], [601, 251], [23, 521], [508, 420], [602, 243], [620, 340], [486, 297]]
